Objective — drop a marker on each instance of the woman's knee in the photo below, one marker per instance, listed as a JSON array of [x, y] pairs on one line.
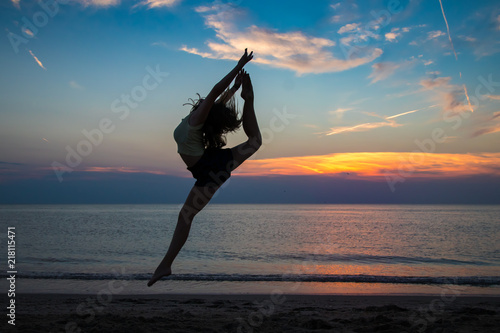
[[197, 200]]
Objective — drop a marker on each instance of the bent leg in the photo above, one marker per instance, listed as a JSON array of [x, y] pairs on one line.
[[197, 199]]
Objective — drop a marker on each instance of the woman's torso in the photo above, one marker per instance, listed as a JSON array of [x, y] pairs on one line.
[[189, 141]]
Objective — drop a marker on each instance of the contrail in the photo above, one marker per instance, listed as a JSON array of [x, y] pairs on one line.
[[468, 100], [369, 126], [456, 57], [412, 111], [36, 59], [448, 28]]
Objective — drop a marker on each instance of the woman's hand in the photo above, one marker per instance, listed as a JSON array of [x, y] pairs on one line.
[[247, 90], [245, 58], [238, 80]]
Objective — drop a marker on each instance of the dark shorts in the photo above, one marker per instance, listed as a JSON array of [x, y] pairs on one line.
[[213, 168]]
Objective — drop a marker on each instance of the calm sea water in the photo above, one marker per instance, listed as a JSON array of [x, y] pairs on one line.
[[256, 248]]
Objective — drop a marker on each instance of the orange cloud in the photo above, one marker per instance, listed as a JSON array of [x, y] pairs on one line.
[[377, 164]]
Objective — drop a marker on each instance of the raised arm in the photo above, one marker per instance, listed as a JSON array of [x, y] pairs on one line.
[[228, 93], [200, 114]]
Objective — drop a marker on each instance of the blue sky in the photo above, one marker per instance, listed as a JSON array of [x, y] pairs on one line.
[[333, 79]]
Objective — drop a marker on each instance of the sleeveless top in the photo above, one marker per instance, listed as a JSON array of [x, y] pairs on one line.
[[189, 138]]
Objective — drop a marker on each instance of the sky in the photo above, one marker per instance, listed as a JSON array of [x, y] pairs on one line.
[[358, 101]]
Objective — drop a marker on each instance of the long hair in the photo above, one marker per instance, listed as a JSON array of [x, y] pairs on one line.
[[222, 119]]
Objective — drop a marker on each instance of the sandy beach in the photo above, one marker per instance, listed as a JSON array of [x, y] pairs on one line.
[[253, 313]]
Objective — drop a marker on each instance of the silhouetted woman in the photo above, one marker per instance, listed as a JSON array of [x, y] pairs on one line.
[[200, 138]]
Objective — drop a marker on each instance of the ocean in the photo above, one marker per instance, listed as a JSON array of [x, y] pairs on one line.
[[257, 249]]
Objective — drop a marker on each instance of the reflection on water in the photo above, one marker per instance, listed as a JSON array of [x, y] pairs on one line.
[[371, 240]]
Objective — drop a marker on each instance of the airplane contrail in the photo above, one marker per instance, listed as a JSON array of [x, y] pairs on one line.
[[448, 29], [454, 52], [412, 111]]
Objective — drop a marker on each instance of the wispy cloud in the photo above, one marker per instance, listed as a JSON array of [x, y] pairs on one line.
[[434, 34], [36, 59], [382, 70], [487, 124], [158, 3], [339, 112], [494, 97], [452, 97], [345, 11], [435, 82], [99, 3], [16, 3], [294, 50], [196, 51], [122, 170]]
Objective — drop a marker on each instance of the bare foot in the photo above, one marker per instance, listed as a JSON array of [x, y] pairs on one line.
[[158, 274]]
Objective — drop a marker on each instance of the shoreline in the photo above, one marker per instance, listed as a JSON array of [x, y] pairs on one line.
[[254, 313]]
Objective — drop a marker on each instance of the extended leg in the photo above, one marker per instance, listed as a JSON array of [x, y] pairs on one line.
[[243, 151], [197, 198]]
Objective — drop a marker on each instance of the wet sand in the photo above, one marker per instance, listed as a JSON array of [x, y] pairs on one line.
[[253, 313]]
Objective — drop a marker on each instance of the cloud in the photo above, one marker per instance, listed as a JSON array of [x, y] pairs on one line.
[[349, 27], [28, 32], [161, 44], [494, 97], [294, 50], [158, 3], [99, 3], [358, 34], [435, 34], [451, 96], [382, 70], [487, 125], [336, 18], [498, 22], [467, 38], [378, 164], [36, 59], [395, 33], [339, 112], [435, 82], [196, 51], [16, 3], [392, 36], [345, 11], [336, 5]]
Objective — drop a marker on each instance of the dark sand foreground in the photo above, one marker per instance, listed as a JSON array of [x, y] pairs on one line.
[[253, 313]]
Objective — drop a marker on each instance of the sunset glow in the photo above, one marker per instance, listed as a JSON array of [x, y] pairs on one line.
[[345, 91], [375, 165]]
